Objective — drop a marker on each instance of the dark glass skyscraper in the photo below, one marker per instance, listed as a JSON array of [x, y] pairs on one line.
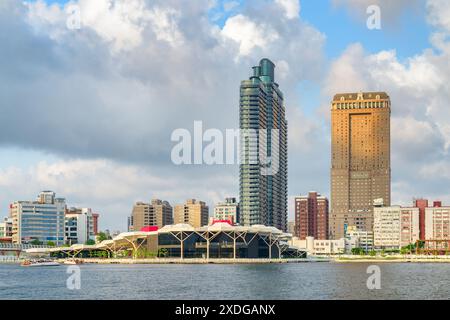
[[263, 193]]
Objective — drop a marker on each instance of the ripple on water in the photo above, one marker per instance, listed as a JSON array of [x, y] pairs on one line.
[[240, 282]]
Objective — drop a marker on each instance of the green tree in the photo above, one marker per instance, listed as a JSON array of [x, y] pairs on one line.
[[36, 242], [51, 244], [358, 251], [372, 253], [144, 253], [411, 248], [90, 242], [421, 244], [102, 254], [101, 236], [163, 253], [124, 253]]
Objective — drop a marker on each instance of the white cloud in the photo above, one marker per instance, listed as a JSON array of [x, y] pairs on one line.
[[107, 187], [165, 25], [346, 74], [248, 34], [439, 14], [282, 69], [290, 7], [118, 87], [118, 22]]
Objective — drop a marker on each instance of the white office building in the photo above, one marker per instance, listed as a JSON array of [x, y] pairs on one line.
[[395, 227], [41, 220], [228, 210], [79, 225], [324, 247], [6, 229], [437, 223], [364, 239]]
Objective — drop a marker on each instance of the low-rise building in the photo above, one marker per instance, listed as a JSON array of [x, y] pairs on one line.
[[228, 210], [437, 223], [364, 239], [324, 247], [6, 229], [395, 227]]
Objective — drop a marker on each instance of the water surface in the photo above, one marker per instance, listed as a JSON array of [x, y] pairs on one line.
[[223, 282]]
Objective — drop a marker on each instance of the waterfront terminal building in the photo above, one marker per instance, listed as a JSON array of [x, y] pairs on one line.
[[218, 241]]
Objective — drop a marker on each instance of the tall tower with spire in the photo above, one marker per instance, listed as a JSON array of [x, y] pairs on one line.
[[263, 194]]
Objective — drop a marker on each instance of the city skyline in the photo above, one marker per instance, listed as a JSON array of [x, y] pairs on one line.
[[99, 116]]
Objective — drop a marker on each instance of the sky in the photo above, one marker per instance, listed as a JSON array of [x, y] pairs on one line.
[[89, 112]]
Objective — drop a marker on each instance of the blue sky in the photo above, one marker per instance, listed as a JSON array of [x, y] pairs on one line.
[[342, 29]]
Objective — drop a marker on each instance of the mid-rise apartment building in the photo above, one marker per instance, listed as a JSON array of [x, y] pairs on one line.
[[193, 212], [157, 213], [228, 210], [437, 223], [79, 225], [311, 216], [395, 227]]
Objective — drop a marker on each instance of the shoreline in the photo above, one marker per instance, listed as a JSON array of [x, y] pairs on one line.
[[341, 260], [392, 259], [191, 261]]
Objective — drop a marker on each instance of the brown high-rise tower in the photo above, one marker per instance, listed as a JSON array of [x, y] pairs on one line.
[[360, 159]]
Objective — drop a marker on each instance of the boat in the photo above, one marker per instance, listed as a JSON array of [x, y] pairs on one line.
[[40, 263], [73, 262]]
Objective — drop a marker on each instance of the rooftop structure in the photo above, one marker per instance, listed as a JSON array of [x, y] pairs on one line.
[[218, 241]]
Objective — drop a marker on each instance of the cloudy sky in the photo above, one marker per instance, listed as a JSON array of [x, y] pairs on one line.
[[89, 112]]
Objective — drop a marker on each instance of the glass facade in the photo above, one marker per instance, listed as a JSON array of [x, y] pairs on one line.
[[263, 198], [250, 246], [39, 221]]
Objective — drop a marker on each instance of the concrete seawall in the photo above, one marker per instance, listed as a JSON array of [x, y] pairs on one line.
[[412, 259], [190, 261]]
